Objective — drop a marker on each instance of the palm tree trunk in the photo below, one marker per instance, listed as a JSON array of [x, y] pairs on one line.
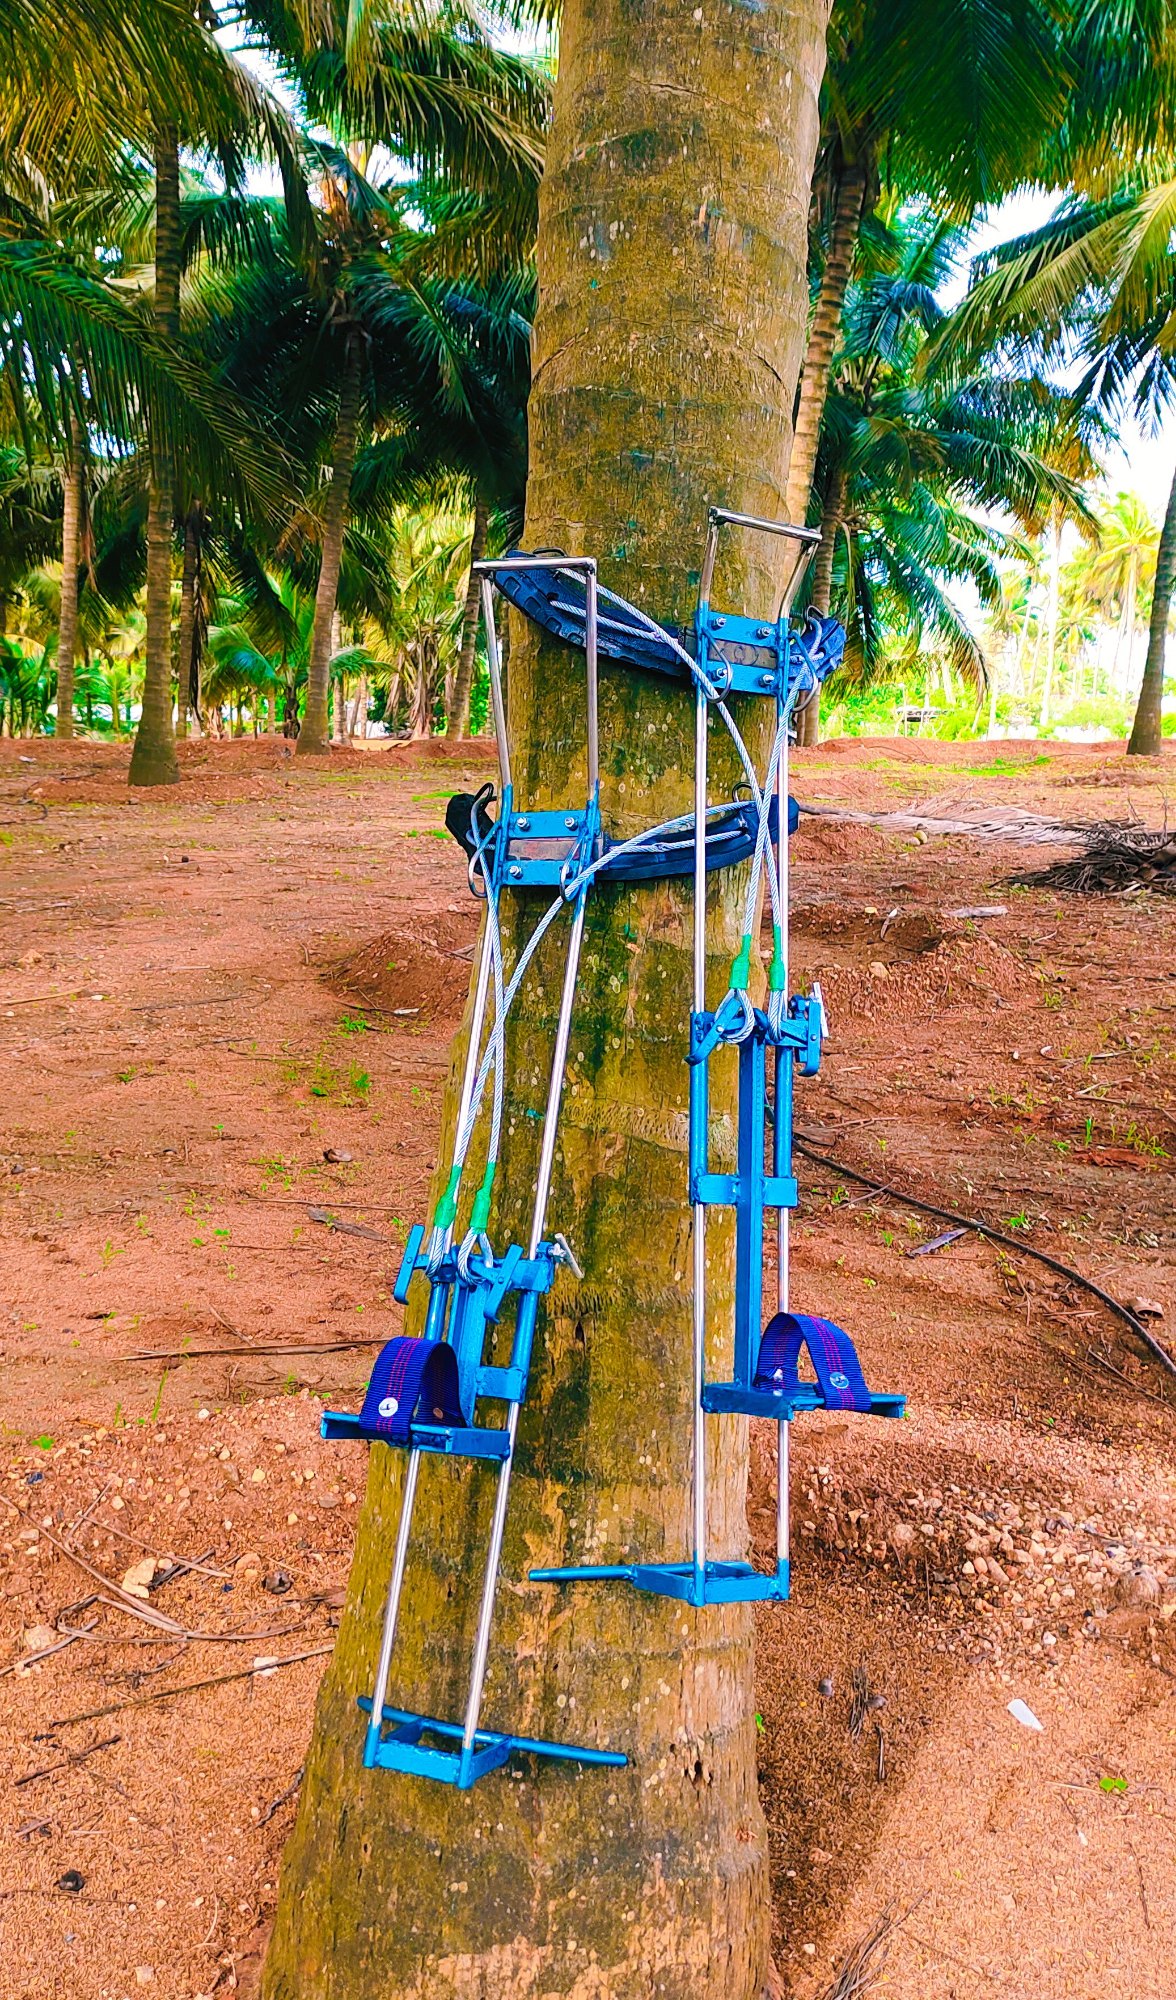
[[422, 696], [357, 720], [849, 202], [1055, 582], [71, 525], [338, 690], [313, 740], [1146, 734], [185, 660], [808, 715], [459, 718], [652, 1879], [153, 759], [1129, 614]]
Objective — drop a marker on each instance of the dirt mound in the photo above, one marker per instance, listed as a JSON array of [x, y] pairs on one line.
[[475, 753], [918, 968], [425, 972], [839, 840]]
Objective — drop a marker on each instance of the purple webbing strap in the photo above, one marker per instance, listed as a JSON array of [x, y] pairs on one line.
[[408, 1373], [834, 1357]]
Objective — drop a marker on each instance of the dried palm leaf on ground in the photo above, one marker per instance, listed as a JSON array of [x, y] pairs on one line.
[[1120, 858], [1012, 823], [863, 1962]]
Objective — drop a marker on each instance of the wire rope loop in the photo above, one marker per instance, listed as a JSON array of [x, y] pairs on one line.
[[777, 1011], [475, 874], [470, 1243], [738, 1030], [437, 1250]]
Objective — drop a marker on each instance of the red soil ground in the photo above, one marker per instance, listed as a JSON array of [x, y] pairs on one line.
[[227, 1005]]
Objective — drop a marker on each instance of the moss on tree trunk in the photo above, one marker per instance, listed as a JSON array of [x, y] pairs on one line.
[[672, 310]]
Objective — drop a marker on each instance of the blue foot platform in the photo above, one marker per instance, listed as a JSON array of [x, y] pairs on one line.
[[717, 1583], [401, 1748], [459, 1440], [735, 1399]]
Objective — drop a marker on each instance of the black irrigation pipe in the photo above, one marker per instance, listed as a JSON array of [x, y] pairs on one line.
[[1014, 1243]]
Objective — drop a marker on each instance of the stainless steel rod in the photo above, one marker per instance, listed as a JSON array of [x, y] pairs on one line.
[[395, 1587], [474, 1046], [593, 685], [783, 1521], [538, 1220], [497, 698], [698, 1489], [578, 565], [770, 527], [783, 1524]]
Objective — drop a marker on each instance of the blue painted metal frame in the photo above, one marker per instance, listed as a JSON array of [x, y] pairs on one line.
[[739, 655], [743, 655], [461, 1308], [544, 850], [750, 1191], [401, 1748]]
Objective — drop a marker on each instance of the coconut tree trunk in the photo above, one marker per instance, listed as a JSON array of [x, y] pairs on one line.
[[662, 382], [357, 720], [1055, 585], [71, 524], [849, 202], [1129, 614], [423, 695], [1146, 738], [186, 698], [153, 759], [808, 717], [313, 741], [459, 717]]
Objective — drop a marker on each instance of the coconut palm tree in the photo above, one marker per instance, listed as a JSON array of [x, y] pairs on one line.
[[1095, 289], [381, 378], [957, 102], [961, 106], [1116, 574], [917, 475]]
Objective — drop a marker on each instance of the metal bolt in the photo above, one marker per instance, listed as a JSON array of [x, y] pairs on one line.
[[569, 822], [515, 872], [763, 631], [767, 680], [718, 623], [523, 824]]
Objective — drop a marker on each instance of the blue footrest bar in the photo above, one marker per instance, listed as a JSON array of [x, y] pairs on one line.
[[713, 1583], [396, 1745]]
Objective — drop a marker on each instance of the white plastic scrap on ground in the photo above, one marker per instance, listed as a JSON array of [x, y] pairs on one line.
[[1022, 1713]]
